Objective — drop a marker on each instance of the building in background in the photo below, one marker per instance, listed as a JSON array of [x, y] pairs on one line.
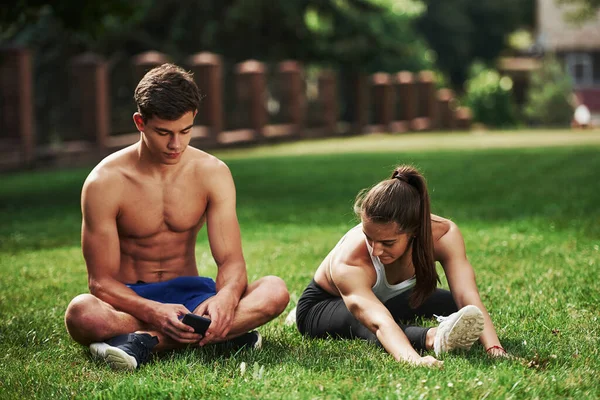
[[577, 46]]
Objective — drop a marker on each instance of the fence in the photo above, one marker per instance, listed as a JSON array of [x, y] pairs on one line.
[[381, 102]]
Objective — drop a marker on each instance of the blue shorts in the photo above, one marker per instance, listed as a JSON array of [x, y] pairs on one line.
[[190, 291]]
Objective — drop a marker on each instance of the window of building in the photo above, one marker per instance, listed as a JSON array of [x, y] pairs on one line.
[[596, 67], [580, 67]]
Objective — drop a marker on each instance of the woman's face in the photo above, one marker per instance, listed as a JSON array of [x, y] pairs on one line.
[[388, 243]]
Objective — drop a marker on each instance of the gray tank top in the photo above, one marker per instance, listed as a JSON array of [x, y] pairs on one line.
[[382, 289]]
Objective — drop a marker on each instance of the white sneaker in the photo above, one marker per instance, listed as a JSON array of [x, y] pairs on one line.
[[459, 330], [114, 356], [291, 318], [125, 351]]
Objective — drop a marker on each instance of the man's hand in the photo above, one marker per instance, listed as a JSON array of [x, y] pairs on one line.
[[167, 319], [220, 309]]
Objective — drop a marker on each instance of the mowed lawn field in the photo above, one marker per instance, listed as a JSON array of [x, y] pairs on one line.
[[529, 212]]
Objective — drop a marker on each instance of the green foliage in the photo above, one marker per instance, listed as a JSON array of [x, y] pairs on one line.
[[489, 96], [353, 33], [520, 40], [549, 96], [582, 11], [369, 34], [462, 31], [535, 251], [86, 19]]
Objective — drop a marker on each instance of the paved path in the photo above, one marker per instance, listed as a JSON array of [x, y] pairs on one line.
[[423, 142]]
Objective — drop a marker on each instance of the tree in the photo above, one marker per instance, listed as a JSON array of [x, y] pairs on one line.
[[87, 18], [584, 10], [489, 96], [367, 34], [549, 97], [462, 31]]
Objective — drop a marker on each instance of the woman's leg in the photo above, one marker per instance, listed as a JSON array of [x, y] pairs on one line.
[[331, 317], [439, 303], [320, 314]]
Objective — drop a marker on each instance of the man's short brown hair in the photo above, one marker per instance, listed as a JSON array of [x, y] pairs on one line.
[[167, 92]]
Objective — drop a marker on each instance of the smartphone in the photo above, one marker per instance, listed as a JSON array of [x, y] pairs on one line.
[[200, 324]]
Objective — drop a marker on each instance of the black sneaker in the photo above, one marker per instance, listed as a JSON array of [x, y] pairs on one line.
[[250, 340], [125, 351]]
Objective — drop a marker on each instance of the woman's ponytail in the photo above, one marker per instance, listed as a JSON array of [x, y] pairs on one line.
[[404, 199], [422, 243]]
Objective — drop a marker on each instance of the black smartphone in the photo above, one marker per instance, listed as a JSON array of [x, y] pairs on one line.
[[200, 324]]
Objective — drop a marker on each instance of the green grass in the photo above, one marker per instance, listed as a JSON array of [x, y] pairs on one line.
[[531, 222]]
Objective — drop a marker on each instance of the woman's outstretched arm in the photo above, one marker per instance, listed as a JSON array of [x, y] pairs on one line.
[[353, 285], [450, 251]]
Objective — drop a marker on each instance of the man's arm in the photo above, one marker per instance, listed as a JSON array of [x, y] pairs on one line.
[[461, 279], [226, 247], [101, 250], [352, 283]]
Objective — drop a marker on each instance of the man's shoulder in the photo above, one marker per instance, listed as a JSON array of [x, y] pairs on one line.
[[110, 170], [206, 163]]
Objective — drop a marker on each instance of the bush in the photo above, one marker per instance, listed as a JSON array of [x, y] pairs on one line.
[[548, 97], [489, 95]]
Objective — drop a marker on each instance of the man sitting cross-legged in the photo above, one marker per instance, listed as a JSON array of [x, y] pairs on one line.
[[142, 209]]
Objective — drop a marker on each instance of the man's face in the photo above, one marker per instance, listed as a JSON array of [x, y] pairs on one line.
[[166, 140]]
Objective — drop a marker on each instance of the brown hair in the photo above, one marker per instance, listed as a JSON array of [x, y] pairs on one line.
[[404, 199], [168, 92]]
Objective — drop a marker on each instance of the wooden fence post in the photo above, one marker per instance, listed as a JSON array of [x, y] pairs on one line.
[[251, 91], [406, 101], [463, 118], [383, 101], [292, 92], [359, 86], [90, 78], [208, 74], [144, 62], [17, 126], [328, 101], [444, 109], [427, 119]]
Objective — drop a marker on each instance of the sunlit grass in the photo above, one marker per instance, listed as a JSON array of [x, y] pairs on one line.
[[531, 222]]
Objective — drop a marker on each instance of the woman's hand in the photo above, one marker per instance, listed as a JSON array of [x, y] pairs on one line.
[[497, 351], [427, 361]]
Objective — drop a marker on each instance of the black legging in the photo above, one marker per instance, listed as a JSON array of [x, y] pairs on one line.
[[320, 314]]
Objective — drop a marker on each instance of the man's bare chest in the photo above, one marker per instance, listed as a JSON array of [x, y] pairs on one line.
[[147, 210]]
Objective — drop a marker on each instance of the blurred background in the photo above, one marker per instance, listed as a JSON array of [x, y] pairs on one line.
[[285, 70]]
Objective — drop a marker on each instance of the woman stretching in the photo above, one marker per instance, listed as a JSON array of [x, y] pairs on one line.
[[382, 274]]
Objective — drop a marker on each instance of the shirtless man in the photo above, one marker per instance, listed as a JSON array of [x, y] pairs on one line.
[[142, 209]]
